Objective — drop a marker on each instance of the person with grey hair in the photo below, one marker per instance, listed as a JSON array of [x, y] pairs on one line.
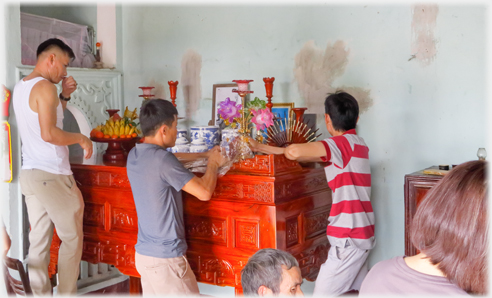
[[271, 272]]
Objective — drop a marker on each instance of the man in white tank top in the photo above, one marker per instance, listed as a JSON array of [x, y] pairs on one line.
[[52, 196]]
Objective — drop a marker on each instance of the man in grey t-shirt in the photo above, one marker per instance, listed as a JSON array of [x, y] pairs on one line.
[[157, 178]]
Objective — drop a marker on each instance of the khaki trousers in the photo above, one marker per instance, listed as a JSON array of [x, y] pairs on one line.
[[53, 200], [171, 276]]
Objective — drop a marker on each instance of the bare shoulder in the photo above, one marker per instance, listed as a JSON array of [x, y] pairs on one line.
[[44, 85], [43, 96], [44, 91]]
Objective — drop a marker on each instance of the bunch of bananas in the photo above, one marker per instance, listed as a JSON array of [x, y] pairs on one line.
[[118, 127]]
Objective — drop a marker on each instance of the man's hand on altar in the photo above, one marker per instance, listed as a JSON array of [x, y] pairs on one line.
[[217, 157], [211, 151], [253, 144]]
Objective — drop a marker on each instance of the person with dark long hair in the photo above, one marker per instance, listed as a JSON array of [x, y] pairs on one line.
[[450, 229]]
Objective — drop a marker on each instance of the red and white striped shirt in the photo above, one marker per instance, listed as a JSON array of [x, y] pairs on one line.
[[349, 176]]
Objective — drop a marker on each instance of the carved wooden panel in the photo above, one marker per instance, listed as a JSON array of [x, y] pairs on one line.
[[123, 220], [247, 190], [260, 165], [315, 223], [102, 179], [112, 252], [247, 234], [266, 165], [207, 229], [94, 215], [315, 182], [301, 185], [217, 270], [311, 259], [120, 180], [292, 227]]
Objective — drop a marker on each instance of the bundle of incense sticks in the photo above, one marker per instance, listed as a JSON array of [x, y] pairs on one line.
[[288, 131]]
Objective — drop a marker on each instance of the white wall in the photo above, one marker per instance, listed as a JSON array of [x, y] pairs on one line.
[[106, 33], [420, 116], [10, 194]]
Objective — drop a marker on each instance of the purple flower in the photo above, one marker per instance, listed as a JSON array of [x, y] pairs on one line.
[[228, 110]]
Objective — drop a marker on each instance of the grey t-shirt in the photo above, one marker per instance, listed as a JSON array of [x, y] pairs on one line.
[[156, 178], [394, 277]]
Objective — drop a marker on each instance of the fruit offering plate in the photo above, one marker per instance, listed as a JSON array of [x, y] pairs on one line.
[[117, 148], [108, 140]]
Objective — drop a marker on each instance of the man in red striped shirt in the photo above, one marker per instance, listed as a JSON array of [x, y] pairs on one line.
[[350, 229]]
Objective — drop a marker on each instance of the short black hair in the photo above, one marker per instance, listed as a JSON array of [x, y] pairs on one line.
[[343, 110], [154, 113], [55, 42]]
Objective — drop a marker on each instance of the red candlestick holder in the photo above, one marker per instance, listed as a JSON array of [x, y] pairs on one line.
[[172, 89], [299, 113], [146, 92], [268, 88]]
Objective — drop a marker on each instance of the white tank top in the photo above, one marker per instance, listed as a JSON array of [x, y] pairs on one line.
[[36, 153]]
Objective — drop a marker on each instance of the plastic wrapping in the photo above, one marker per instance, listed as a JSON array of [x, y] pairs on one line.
[[238, 149]]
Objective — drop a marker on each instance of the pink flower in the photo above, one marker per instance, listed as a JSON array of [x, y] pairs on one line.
[[228, 110], [262, 118]]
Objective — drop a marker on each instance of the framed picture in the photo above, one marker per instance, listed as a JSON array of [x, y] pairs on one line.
[[221, 92], [282, 110]]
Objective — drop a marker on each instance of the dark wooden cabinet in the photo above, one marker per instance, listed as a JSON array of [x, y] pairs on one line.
[[416, 187], [263, 202]]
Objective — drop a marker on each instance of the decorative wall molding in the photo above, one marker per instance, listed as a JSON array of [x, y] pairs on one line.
[[97, 91]]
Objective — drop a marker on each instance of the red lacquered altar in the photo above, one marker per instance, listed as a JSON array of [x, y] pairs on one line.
[[263, 202]]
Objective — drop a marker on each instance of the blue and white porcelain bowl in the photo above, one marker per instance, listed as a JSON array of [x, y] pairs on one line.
[[182, 132], [211, 134]]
